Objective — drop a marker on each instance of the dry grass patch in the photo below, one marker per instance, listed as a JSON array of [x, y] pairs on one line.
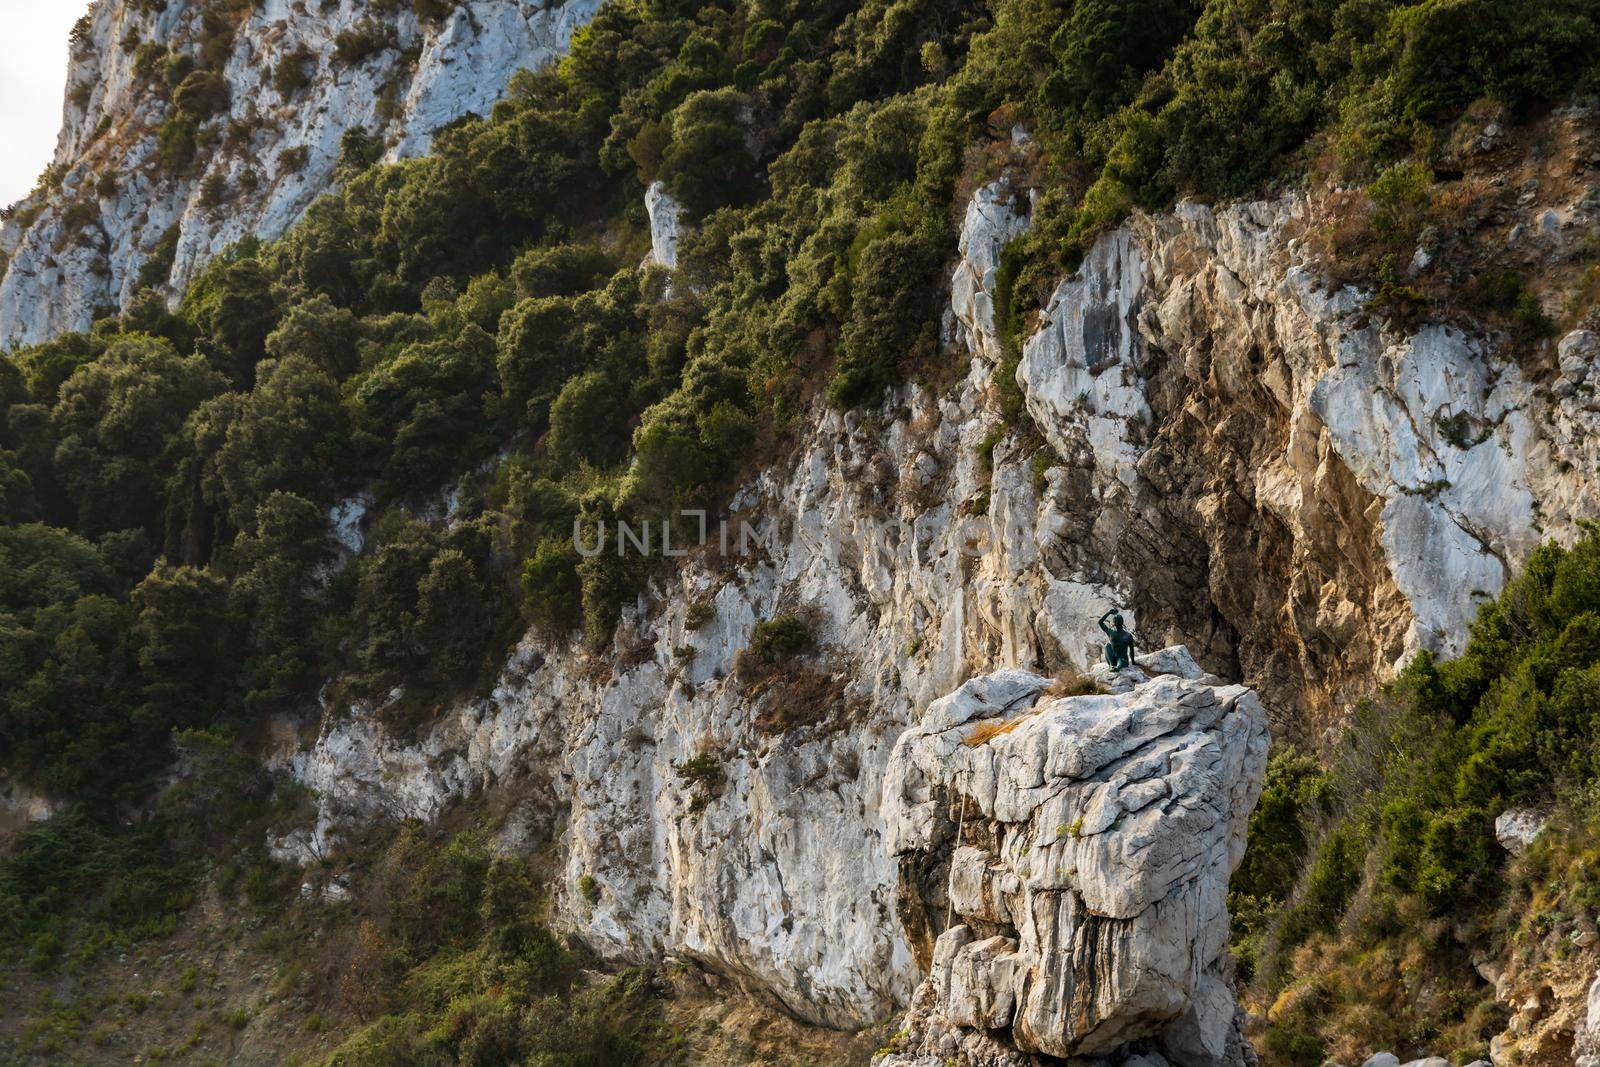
[[989, 729], [1070, 683]]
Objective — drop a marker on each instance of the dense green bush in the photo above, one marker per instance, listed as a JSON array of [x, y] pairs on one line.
[[290, 75], [201, 95], [780, 637]]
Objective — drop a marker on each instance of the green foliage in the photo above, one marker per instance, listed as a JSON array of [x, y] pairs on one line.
[[586, 422], [290, 75], [1400, 197], [177, 146], [707, 163], [1399, 833], [704, 769], [471, 327], [891, 316], [116, 421], [458, 969], [780, 637], [362, 41], [201, 95]]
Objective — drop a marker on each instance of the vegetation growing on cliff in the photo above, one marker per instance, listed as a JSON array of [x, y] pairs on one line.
[[1370, 886]]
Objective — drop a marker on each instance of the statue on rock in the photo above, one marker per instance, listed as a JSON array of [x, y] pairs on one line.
[[1119, 642]]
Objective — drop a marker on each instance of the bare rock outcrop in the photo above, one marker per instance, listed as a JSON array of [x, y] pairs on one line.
[[1088, 842]]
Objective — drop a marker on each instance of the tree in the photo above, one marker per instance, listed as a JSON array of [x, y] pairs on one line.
[[588, 422], [186, 649], [421, 413], [891, 316], [708, 163], [319, 331], [275, 594], [115, 421], [200, 95], [285, 434], [17, 503], [232, 304], [452, 615], [539, 346]]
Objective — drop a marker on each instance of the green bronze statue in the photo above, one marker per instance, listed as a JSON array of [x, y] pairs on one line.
[[1119, 646]]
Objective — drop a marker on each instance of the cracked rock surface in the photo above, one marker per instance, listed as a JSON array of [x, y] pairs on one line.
[[1088, 840], [1202, 395]]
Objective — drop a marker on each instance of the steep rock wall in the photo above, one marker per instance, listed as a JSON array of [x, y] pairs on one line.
[[78, 249], [1202, 396]]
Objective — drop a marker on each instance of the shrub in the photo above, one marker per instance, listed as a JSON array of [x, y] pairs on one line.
[[780, 637], [157, 267], [891, 319], [588, 422], [213, 190], [704, 769], [552, 593], [589, 889], [1401, 198], [290, 75], [148, 59], [176, 145], [699, 613], [358, 150], [176, 67], [433, 10], [362, 41], [1400, 833], [708, 162], [201, 95]]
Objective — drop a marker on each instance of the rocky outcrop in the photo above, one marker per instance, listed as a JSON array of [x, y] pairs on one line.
[[1517, 828], [82, 245], [730, 819], [1586, 1038], [996, 214], [1088, 842], [21, 807], [666, 222]]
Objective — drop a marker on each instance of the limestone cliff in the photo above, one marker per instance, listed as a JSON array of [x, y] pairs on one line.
[[295, 75], [1237, 452]]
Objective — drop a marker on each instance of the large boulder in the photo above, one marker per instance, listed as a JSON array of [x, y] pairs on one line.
[[1088, 841]]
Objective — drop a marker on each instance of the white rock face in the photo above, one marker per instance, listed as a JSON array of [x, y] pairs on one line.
[[1579, 356], [666, 220], [57, 269], [1089, 843], [1082, 370], [1466, 464], [996, 214], [779, 878]]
